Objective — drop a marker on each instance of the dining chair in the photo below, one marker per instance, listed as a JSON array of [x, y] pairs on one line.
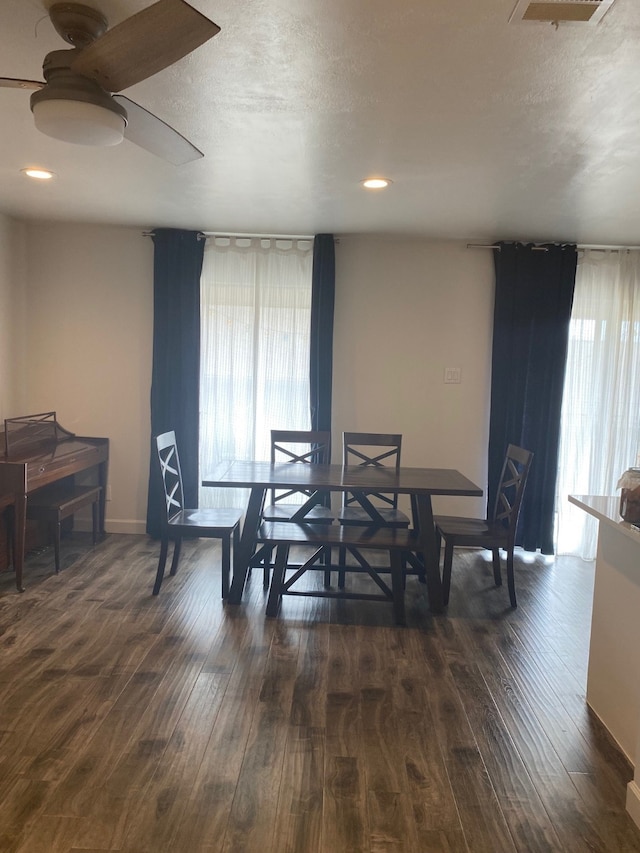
[[179, 522], [497, 531], [305, 447], [370, 449]]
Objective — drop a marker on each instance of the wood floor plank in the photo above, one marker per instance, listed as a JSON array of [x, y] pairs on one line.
[[134, 723], [298, 824], [209, 805], [251, 822], [345, 823], [166, 795], [518, 705]]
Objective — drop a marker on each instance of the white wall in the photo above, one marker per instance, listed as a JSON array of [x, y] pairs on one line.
[[12, 316], [90, 310], [405, 310]]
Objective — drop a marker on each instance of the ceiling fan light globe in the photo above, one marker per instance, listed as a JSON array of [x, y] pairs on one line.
[[79, 122]]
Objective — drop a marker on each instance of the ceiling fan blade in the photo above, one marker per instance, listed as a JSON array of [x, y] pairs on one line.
[[13, 83], [154, 135], [144, 44]]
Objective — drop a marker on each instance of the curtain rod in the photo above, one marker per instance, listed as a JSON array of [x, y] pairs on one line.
[[246, 236], [602, 248]]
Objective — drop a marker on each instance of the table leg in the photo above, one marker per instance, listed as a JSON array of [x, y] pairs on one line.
[[242, 556], [102, 505], [424, 523], [19, 536]]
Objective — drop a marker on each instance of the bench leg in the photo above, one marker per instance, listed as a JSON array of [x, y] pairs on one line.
[[235, 541], [326, 560], [342, 561], [277, 580], [266, 556], [226, 562], [446, 571]]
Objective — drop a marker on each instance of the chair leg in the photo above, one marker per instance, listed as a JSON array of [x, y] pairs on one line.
[[497, 573], [446, 571], [164, 547], [56, 544], [176, 555], [277, 580], [511, 579]]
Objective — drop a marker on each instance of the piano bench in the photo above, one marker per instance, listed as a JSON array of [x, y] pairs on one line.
[[52, 504]]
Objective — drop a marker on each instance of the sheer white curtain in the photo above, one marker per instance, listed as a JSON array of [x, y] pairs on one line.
[[600, 433], [254, 368]]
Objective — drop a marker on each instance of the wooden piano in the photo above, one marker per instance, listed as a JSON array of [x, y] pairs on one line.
[[38, 452]]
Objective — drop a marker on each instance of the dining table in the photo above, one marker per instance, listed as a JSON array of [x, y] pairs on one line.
[[420, 484]]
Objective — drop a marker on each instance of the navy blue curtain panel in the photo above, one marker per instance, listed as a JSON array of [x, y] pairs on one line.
[[321, 356], [175, 381], [532, 310]]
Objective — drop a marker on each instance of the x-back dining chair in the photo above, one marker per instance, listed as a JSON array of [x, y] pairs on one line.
[[370, 449], [179, 522], [496, 531], [303, 447], [379, 450]]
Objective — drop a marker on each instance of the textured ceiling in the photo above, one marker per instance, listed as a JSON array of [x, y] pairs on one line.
[[489, 130]]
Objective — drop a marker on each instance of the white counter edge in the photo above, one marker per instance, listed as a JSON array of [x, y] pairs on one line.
[[606, 509]]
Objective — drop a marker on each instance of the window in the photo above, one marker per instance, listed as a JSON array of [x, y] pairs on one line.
[[254, 372], [600, 432]]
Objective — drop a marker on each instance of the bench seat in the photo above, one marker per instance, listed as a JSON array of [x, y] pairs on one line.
[[52, 504]]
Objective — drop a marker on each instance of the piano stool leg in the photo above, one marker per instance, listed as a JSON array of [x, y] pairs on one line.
[[55, 529], [94, 521]]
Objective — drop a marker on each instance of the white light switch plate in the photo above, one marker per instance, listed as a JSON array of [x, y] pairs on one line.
[[452, 375]]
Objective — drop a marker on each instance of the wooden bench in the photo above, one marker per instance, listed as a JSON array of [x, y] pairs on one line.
[[52, 504], [397, 541]]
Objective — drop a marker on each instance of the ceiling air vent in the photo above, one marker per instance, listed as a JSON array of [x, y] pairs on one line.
[[560, 11]]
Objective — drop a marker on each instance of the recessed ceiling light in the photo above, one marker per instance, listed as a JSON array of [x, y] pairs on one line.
[[39, 174], [376, 183]]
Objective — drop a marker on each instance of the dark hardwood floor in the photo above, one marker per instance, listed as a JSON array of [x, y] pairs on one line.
[[140, 724]]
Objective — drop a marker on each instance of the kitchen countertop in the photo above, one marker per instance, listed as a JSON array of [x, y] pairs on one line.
[[606, 509]]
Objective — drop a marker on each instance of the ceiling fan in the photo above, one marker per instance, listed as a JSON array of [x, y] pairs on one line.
[[77, 102]]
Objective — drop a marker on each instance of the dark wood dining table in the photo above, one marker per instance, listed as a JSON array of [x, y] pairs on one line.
[[419, 483]]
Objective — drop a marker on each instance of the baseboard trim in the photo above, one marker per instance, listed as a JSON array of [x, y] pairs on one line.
[[633, 801], [112, 525]]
